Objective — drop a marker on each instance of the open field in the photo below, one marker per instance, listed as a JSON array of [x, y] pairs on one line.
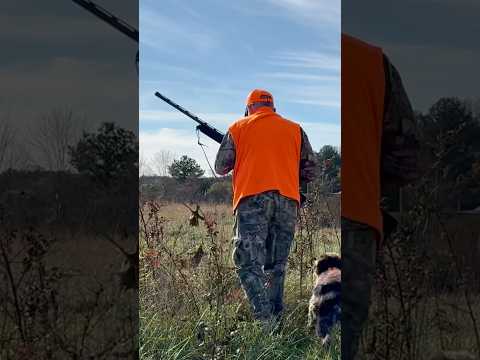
[[191, 304]]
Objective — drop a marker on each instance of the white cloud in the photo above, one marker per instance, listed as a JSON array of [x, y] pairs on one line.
[[180, 142], [327, 95], [165, 34], [317, 102], [299, 76], [180, 72], [202, 96], [315, 79], [221, 120], [159, 116], [316, 12], [307, 60], [321, 134]]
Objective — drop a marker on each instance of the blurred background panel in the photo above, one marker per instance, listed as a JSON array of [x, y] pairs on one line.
[[426, 293], [68, 181]]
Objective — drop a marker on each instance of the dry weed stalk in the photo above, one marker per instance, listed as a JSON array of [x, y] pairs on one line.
[[317, 234]]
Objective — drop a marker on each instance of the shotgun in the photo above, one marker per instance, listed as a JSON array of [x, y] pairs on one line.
[[202, 126]]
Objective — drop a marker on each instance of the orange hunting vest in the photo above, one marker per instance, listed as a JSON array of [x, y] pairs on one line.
[[267, 155], [363, 94]]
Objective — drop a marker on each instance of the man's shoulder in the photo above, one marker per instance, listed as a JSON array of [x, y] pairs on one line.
[[239, 122], [244, 121], [360, 45], [290, 122]]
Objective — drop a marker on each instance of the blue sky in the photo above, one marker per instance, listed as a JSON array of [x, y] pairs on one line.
[[208, 55]]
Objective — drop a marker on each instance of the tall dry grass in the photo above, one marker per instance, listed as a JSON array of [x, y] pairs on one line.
[[191, 303]]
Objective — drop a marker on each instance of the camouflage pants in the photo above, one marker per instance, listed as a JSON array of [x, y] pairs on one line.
[[359, 244], [264, 230]]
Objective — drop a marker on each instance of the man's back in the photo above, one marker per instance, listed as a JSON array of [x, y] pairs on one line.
[[363, 94], [267, 155]]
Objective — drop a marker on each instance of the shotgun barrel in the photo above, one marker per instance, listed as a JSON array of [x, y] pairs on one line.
[[202, 126]]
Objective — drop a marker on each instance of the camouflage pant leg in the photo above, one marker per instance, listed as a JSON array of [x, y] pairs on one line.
[[279, 241], [251, 232], [358, 267]]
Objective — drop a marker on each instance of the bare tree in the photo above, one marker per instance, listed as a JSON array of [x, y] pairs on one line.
[[7, 139], [161, 161], [143, 166], [14, 153], [20, 157], [52, 135]]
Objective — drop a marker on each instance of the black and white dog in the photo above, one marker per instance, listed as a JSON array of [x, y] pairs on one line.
[[324, 308]]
